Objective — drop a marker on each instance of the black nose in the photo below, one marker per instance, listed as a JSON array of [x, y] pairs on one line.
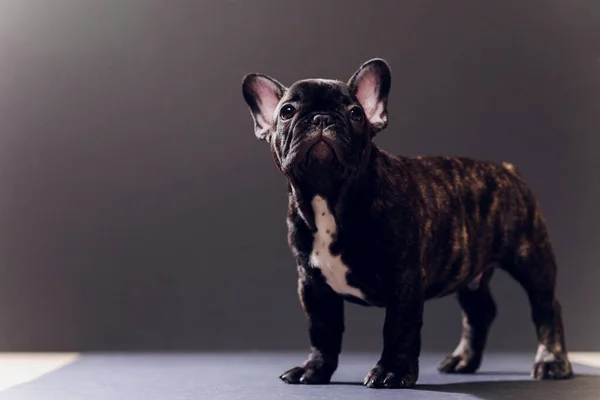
[[322, 120]]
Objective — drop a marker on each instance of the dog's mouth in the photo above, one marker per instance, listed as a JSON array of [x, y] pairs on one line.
[[320, 146], [321, 150], [317, 150]]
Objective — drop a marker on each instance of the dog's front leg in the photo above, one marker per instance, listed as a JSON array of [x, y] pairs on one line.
[[398, 366], [324, 310]]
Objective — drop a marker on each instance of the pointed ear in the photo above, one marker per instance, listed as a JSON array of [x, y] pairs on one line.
[[371, 86], [262, 94]]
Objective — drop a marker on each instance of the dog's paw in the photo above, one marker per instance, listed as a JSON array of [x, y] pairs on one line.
[[556, 369], [307, 376], [459, 364], [381, 377]]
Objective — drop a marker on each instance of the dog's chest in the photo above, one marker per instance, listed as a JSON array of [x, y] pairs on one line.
[[332, 267]]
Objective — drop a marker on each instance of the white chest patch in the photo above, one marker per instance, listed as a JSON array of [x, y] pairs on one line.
[[332, 267]]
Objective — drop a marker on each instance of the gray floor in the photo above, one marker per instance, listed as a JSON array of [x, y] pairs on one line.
[[254, 376]]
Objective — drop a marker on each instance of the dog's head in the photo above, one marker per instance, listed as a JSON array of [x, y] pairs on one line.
[[319, 124]]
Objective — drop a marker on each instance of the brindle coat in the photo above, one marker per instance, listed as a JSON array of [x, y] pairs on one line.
[[409, 230]]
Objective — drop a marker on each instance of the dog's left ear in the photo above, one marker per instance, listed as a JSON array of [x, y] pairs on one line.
[[371, 86], [262, 94]]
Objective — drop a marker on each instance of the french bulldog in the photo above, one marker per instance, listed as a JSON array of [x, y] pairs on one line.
[[381, 230]]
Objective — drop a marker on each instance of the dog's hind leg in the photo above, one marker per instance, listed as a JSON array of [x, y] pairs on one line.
[[535, 270], [479, 311]]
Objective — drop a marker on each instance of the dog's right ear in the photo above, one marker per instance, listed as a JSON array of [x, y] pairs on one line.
[[262, 93]]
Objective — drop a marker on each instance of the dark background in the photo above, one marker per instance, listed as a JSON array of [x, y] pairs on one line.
[[138, 210]]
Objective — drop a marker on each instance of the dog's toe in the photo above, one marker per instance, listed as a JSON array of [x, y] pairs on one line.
[[549, 370], [306, 376], [459, 364], [384, 378]]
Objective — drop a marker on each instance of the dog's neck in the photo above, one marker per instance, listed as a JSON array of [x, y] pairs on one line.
[[342, 192]]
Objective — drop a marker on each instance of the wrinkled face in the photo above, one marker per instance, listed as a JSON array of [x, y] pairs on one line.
[[319, 121], [318, 124]]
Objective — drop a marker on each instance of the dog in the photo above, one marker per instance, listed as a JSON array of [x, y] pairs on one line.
[[381, 230]]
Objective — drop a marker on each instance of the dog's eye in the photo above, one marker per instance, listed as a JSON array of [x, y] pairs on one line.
[[287, 111], [356, 113]]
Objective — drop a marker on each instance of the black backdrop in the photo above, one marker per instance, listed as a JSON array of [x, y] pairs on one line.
[[138, 211]]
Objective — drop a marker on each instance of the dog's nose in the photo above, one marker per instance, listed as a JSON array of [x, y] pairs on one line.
[[322, 120]]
